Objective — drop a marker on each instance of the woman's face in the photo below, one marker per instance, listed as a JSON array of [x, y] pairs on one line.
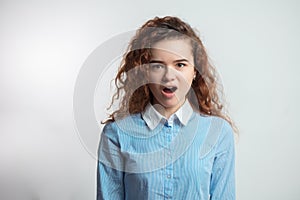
[[171, 72]]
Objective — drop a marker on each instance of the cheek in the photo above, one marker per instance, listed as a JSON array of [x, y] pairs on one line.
[[153, 88], [187, 78], [154, 78]]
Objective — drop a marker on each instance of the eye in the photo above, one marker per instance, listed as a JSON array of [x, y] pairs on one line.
[[180, 65], [156, 66]]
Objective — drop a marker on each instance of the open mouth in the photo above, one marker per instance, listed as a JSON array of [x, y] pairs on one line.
[[169, 89]]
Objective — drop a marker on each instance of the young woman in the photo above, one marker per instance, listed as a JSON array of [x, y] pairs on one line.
[[169, 138]]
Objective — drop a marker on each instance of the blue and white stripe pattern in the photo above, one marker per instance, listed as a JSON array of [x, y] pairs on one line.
[[145, 156]]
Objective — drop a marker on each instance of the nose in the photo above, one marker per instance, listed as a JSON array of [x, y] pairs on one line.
[[169, 74]]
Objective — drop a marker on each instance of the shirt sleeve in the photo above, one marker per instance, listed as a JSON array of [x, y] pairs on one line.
[[109, 168], [222, 184]]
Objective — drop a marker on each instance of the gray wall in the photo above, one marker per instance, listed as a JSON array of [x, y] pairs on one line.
[[44, 44]]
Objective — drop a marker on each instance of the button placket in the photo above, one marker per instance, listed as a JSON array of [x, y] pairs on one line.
[[169, 166]]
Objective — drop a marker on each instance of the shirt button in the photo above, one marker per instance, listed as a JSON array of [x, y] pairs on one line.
[[168, 176]]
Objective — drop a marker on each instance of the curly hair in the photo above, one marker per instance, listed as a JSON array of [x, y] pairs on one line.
[[133, 92]]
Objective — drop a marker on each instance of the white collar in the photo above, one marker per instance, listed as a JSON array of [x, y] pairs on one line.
[[152, 117]]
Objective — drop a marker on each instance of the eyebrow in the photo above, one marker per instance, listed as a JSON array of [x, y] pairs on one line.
[[176, 61]]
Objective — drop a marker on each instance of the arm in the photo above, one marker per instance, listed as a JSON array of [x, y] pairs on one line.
[[223, 174], [109, 169]]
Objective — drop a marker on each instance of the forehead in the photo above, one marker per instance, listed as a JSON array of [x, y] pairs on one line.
[[179, 48]]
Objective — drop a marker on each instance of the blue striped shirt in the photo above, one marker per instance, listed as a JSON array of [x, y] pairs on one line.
[[145, 156]]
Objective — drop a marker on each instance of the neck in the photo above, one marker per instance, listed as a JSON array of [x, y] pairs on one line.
[[167, 111]]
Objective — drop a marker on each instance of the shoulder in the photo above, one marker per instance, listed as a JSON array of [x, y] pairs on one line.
[[120, 126], [133, 118], [215, 123]]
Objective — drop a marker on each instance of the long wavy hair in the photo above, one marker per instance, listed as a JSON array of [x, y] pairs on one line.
[[133, 93]]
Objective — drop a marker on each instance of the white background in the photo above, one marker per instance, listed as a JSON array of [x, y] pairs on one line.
[[254, 44]]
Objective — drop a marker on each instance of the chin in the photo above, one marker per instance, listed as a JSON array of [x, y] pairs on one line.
[[170, 104]]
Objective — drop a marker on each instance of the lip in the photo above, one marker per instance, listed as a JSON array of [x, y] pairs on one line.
[[168, 95], [169, 86]]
